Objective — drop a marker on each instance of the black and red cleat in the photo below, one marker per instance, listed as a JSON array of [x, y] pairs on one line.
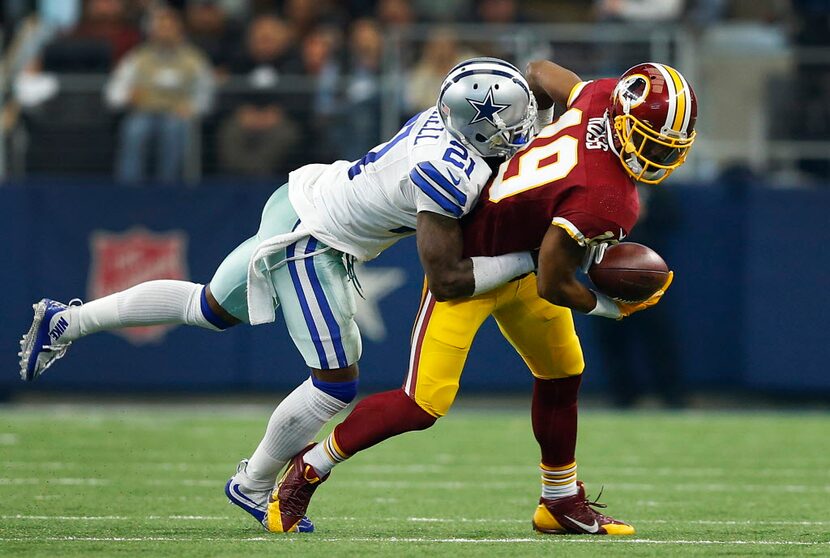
[[289, 500], [576, 515]]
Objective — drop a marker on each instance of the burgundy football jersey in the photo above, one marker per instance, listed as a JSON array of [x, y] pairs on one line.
[[567, 176]]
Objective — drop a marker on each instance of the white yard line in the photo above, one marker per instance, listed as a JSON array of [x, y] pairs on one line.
[[163, 465], [192, 517], [139, 517], [396, 519], [58, 480], [67, 517], [633, 521], [315, 539]]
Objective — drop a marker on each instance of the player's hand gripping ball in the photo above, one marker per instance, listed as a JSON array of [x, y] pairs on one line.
[[635, 276]]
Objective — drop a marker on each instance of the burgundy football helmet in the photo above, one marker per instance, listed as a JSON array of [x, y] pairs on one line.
[[653, 109]]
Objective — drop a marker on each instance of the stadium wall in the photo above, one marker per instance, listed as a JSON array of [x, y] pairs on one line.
[[748, 305]]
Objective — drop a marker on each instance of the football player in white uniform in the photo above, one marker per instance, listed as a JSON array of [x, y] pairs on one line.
[[422, 180]]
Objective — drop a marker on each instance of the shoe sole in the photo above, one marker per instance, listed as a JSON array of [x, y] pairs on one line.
[[542, 531], [28, 343]]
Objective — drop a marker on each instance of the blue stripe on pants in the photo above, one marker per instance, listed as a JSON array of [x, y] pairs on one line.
[[325, 308], [309, 319]]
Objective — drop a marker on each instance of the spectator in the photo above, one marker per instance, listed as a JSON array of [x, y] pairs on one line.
[[238, 10], [36, 31], [499, 12], [268, 52], [210, 31], [360, 122], [392, 14], [365, 43], [318, 63], [304, 15], [358, 8], [137, 11], [395, 12], [703, 13], [23, 83], [640, 11], [105, 21], [164, 85], [609, 58], [320, 106], [443, 10], [441, 53], [258, 139]]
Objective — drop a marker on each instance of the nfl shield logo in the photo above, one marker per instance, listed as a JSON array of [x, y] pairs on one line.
[[120, 261]]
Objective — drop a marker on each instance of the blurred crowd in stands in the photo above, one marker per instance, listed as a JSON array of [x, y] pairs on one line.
[[258, 87]]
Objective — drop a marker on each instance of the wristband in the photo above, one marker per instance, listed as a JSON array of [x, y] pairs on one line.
[[606, 307], [495, 271]]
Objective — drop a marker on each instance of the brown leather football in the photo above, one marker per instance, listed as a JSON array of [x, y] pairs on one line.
[[630, 272]]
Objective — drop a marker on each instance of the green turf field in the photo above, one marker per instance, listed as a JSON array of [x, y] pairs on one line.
[[148, 481]]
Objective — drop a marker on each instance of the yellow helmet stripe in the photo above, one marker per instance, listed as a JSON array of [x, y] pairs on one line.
[[687, 91], [683, 100], [671, 88]]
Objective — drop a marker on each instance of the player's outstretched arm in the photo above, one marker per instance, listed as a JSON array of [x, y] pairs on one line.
[[449, 274], [550, 83], [560, 258]]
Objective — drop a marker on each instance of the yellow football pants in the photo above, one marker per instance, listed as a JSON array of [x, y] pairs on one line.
[[543, 334]]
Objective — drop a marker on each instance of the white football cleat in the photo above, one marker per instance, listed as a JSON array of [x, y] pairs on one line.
[[42, 345], [253, 502]]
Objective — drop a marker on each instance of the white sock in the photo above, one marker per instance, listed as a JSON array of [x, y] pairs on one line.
[[294, 424], [151, 303], [558, 482], [325, 455]]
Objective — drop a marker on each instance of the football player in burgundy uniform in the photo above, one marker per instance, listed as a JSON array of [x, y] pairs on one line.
[[569, 193]]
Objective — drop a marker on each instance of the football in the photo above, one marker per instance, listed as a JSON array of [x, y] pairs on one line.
[[629, 271]]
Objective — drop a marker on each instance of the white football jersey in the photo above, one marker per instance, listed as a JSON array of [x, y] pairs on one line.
[[363, 207]]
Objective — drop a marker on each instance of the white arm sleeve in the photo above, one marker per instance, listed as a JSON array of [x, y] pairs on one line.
[[442, 188], [543, 118], [495, 271]]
